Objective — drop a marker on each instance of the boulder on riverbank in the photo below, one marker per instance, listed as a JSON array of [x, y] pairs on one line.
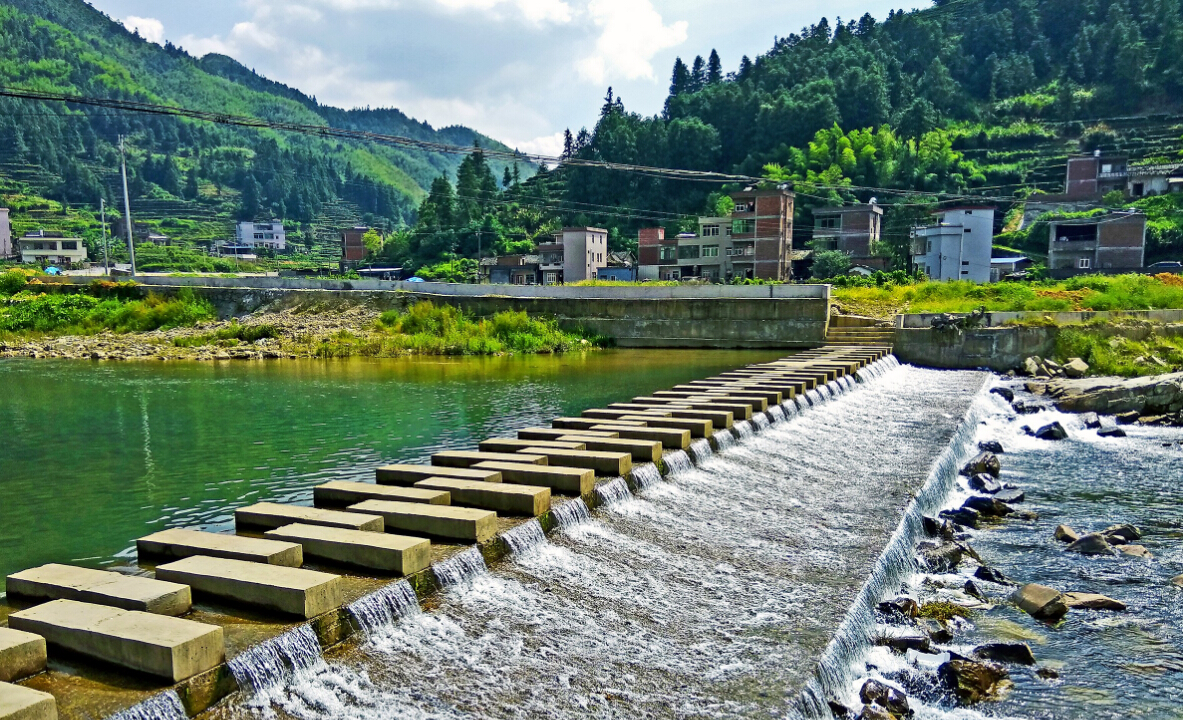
[[1159, 395], [985, 463], [972, 681], [1092, 544], [1054, 431], [886, 697], [1066, 534], [1041, 602], [1177, 581], [1092, 601], [1016, 653]]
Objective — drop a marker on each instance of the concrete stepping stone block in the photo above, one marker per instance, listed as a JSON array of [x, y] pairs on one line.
[[293, 591], [567, 480], [617, 413], [21, 654], [179, 544], [408, 475], [102, 587], [167, 647], [397, 554], [697, 428], [22, 703], [506, 445], [739, 411], [670, 438], [342, 494], [466, 459], [641, 450], [608, 464], [568, 423], [719, 417], [272, 516], [442, 521], [503, 498], [554, 434]]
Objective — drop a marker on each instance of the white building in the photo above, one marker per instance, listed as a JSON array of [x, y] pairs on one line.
[[263, 235], [41, 249], [958, 247], [5, 234]]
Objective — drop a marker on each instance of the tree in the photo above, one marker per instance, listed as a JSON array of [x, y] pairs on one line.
[[829, 264], [249, 203], [191, 187], [698, 76], [373, 242], [507, 178], [680, 82], [714, 69], [568, 144], [745, 68]]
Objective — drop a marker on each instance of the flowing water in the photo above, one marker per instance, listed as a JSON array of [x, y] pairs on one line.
[[460, 567], [711, 596], [645, 475], [381, 609], [165, 706], [700, 451], [269, 664], [571, 514], [677, 462]]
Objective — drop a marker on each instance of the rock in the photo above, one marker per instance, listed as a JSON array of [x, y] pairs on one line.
[[972, 682], [964, 516], [902, 606], [1028, 515], [1091, 544], [988, 506], [1144, 395], [936, 632], [1076, 368], [1128, 418], [938, 528], [874, 692], [1032, 365], [991, 446], [1016, 653], [1053, 367], [1054, 431], [1092, 601], [1118, 534], [904, 643], [1135, 551], [1092, 421], [1114, 432], [1177, 581], [1066, 534], [1005, 393], [984, 482], [972, 590], [1023, 407], [989, 574], [1010, 496], [943, 558], [839, 711], [1037, 388], [874, 712], [1040, 602], [984, 463], [1047, 673], [1027, 430]]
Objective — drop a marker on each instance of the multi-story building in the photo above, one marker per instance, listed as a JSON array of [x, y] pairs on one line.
[[1114, 241], [268, 235], [853, 229], [1148, 180], [756, 241], [42, 248], [574, 256], [958, 247], [510, 270], [5, 234], [353, 246], [1096, 174]]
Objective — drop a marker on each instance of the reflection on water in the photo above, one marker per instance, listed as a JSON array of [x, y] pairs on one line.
[[98, 454]]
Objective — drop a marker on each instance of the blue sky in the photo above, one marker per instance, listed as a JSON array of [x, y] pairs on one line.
[[518, 70]]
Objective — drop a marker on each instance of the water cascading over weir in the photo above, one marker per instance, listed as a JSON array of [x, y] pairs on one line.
[[731, 576]]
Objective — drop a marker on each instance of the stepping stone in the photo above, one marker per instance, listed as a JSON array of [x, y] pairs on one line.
[[341, 494], [617, 413], [610, 464], [22, 703], [567, 480], [697, 428], [505, 445], [569, 423], [102, 587], [186, 543], [641, 450], [739, 411], [408, 475], [442, 521], [670, 438], [463, 459], [167, 647], [396, 554], [272, 516], [21, 654], [772, 397], [503, 498], [294, 591], [757, 404], [719, 418], [553, 434]]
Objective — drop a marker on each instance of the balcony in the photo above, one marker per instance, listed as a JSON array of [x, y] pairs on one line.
[[1074, 246]]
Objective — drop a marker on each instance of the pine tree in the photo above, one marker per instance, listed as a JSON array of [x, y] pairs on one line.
[[517, 173], [714, 69], [698, 76], [191, 187], [568, 144], [680, 83], [745, 68], [507, 178]]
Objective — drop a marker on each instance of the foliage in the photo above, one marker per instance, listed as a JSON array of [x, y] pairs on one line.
[[450, 271], [13, 281], [77, 313], [829, 264], [442, 330], [1108, 353], [230, 336], [943, 611], [162, 258]]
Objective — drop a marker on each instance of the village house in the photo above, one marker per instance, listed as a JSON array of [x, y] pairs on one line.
[[1113, 241], [510, 270], [577, 254], [353, 247], [42, 248], [958, 246], [5, 234], [270, 235], [852, 229]]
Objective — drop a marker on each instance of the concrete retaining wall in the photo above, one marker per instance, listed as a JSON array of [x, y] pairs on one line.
[[999, 349], [998, 319]]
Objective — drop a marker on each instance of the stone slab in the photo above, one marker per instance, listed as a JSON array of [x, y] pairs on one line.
[[22, 703], [614, 413], [506, 445], [408, 475], [552, 433], [273, 516], [21, 654], [101, 587], [442, 521], [384, 552], [293, 591], [566, 480], [739, 411], [466, 459], [670, 438], [179, 544], [641, 450], [697, 428], [568, 423], [503, 498], [167, 647], [608, 464], [340, 493]]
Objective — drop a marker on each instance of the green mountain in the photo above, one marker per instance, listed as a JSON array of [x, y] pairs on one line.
[[190, 179]]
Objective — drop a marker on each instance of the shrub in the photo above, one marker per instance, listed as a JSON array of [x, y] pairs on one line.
[[12, 282]]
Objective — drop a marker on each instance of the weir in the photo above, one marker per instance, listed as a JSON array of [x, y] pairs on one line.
[[373, 607]]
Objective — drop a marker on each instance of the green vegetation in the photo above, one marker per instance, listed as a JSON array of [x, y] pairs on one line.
[[231, 336], [1115, 351], [943, 611], [28, 312]]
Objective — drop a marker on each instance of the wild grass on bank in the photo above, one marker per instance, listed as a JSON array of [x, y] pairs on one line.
[[1110, 353], [30, 312], [232, 335]]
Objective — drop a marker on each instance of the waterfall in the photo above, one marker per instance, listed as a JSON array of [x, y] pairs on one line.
[[743, 430], [381, 609], [835, 388], [849, 382], [617, 490], [777, 413], [761, 421], [814, 397], [677, 463], [645, 475], [273, 662], [700, 450], [723, 439], [802, 403], [855, 634], [165, 706], [460, 567], [524, 537], [789, 408], [570, 514]]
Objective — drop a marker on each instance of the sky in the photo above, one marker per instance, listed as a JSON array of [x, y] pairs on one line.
[[520, 71]]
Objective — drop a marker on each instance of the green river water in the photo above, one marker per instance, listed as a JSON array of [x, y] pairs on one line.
[[95, 455]]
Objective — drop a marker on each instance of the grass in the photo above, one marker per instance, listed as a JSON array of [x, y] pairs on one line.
[[1110, 353], [231, 336], [27, 312], [942, 611]]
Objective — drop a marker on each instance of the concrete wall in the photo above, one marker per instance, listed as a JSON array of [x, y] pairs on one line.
[[998, 319], [1000, 349]]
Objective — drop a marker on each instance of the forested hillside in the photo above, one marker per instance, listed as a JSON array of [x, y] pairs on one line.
[[191, 179]]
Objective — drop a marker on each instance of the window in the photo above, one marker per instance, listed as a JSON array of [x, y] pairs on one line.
[[929, 247], [710, 231], [669, 252], [710, 251], [743, 227], [72, 245], [830, 223], [968, 230], [1084, 264], [1107, 168], [965, 263], [741, 208], [688, 252]]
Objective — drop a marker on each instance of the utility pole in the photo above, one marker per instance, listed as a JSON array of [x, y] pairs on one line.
[[131, 248], [106, 258], [478, 257]]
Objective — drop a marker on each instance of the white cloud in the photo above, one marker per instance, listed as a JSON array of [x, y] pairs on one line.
[[632, 34], [242, 37], [534, 11], [551, 145], [150, 29]]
